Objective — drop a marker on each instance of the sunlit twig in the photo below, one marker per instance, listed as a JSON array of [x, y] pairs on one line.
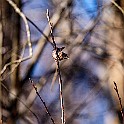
[[58, 55], [118, 6]]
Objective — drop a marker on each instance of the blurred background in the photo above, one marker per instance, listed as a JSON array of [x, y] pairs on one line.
[[92, 32]]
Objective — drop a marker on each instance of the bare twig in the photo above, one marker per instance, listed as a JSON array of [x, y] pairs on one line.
[[51, 29], [58, 55], [116, 89], [122, 11], [38, 29], [47, 111], [17, 10], [32, 95], [61, 93]]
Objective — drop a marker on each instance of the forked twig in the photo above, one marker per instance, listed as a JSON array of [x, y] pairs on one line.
[[17, 10], [47, 111], [12, 70], [58, 55], [116, 89]]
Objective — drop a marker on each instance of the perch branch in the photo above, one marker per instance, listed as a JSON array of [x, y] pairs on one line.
[[57, 58], [116, 89]]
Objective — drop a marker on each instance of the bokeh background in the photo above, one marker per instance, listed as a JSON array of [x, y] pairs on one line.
[[92, 32]]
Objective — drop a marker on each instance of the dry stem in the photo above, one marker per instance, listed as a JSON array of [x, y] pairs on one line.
[[17, 10], [58, 68], [47, 111], [116, 89]]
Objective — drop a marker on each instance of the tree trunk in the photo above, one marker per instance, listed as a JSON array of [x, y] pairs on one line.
[[11, 35]]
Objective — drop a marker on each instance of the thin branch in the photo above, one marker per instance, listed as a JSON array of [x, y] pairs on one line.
[[17, 10], [47, 111], [61, 93], [122, 11], [51, 29], [30, 99], [116, 89], [38, 29], [58, 55]]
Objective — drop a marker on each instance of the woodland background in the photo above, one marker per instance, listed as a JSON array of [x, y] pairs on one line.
[[92, 32]]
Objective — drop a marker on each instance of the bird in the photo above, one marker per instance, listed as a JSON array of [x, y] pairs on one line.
[[58, 54]]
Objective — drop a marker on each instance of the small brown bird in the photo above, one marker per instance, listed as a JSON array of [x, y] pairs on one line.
[[57, 54]]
